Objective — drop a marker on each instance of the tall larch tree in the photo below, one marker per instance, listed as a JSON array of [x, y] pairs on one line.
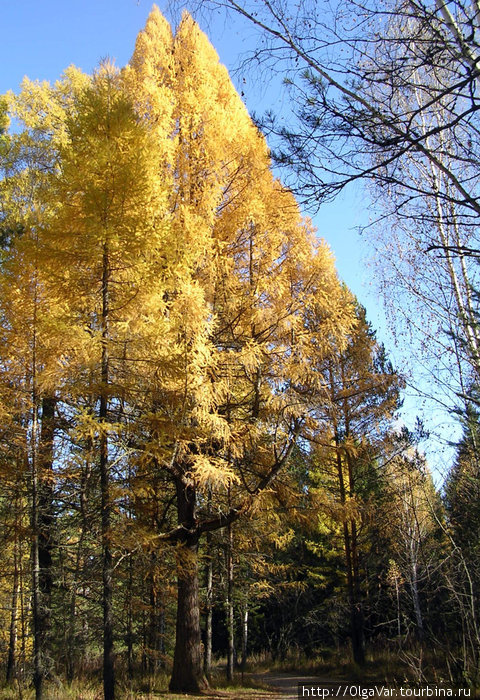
[[250, 268], [170, 286], [108, 221], [31, 343], [97, 248]]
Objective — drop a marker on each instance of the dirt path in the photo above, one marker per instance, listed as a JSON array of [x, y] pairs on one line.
[[286, 684]]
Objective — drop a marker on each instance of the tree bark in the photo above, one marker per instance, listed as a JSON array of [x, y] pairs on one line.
[[12, 642], [229, 611], [38, 667], [209, 609], [45, 526], [351, 552], [129, 634], [415, 594], [187, 672], [358, 636], [356, 609], [42, 522], [244, 635], [156, 625], [106, 508]]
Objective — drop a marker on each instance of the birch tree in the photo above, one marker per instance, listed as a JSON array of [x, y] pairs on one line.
[[387, 94]]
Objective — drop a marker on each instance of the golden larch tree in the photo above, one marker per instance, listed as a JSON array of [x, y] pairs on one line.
[[253, 271]]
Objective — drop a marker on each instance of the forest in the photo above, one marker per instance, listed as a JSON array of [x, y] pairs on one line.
[[205, 469]]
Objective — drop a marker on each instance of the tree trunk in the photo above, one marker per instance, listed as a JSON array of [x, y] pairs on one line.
[[25, 599], [156, 624], [399, 621], [129, 635], [45, 526], [356, 616], [187, 672], [244, 634], [42, 521], [356, 610], [12, 643], [230, 611], [106, 507], [358, 635], [72, 652], [38, 667], [209, 601], [351, 553], [415, 596], [209, 609]]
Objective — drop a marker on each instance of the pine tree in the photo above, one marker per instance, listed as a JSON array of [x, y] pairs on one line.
[[360, 395]]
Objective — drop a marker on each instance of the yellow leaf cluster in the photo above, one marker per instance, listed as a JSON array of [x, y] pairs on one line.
[[163, 268]]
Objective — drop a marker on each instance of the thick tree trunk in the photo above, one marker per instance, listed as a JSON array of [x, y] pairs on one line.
[[187, 672]]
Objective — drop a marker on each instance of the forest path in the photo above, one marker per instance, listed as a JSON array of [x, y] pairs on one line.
[[286, 684]]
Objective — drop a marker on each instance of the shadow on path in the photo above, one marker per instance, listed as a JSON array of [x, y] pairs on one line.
[[286, 684]]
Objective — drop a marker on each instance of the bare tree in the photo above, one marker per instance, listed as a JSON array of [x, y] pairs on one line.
[[387, 93]]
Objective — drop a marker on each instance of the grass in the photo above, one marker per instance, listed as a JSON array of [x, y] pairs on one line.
[[78, 691], [382, 666], [153, 687]]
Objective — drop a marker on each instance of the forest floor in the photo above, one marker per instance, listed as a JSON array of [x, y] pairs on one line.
[[270, 686], [256, 684]]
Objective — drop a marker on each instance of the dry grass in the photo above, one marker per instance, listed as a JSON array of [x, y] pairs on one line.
[[154, 687]]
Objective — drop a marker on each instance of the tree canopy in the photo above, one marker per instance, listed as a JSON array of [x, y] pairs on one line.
[[199, 437]]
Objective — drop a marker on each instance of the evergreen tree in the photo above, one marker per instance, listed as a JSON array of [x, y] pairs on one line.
[[360, 396]]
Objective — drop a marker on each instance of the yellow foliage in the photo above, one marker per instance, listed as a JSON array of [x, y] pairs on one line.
[[215, 472], [163, 268]]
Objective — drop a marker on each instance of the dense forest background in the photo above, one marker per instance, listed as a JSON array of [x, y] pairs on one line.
[[200, 445]]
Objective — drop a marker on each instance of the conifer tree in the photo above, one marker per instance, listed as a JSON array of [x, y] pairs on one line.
[[94, 261], [360, 396], [29, 355], [250, 269], [174, 290]]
